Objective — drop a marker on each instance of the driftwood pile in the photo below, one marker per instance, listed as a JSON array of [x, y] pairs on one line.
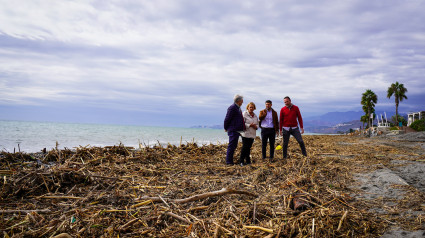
[[188, 191]]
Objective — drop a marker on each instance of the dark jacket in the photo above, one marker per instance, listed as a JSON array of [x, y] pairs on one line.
[[234, 119], [263, 114]]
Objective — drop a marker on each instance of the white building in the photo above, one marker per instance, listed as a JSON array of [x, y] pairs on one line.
[[411, 117], [382, 123]]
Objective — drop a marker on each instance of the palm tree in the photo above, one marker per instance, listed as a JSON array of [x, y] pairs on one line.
[[363, 119], [369, 99], [399, 92]]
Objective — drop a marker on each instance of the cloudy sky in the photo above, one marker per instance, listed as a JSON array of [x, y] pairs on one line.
[[179, 62]]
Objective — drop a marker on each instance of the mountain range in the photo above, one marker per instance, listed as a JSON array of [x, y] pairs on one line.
[[328, 123], [337, 122]]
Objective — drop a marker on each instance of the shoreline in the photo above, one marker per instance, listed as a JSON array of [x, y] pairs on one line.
[[138, 146]]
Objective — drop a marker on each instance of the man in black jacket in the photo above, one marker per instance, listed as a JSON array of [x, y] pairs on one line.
[[233, 125]]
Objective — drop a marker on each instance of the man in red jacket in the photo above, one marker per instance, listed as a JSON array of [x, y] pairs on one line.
[[288, 126]]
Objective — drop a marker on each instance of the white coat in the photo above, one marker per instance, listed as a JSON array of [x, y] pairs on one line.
[[250, 132]]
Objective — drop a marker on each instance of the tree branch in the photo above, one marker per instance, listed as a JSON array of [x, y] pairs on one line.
[[223, 191]]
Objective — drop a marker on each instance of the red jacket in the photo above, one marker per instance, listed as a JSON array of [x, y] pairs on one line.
[[288, 117]]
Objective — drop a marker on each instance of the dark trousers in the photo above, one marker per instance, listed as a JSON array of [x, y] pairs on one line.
[[233, 143], [268, 134], [297, 135], [246, 150]]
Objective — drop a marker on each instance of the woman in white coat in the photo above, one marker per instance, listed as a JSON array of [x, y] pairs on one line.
[[248, 136]]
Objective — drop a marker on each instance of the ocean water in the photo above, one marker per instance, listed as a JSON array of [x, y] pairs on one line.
[[34, 136]]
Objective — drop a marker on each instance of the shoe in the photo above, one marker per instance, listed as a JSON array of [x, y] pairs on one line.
[[242, 164], [229, 164]]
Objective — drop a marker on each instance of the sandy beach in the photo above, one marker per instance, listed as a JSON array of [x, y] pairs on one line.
[[348, 186]]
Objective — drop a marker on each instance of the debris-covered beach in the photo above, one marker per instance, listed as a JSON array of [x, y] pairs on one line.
[[348, 186]]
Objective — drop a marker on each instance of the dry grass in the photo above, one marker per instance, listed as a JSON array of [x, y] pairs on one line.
[[117, 191]]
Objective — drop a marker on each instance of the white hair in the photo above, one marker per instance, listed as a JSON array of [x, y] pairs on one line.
[[237, 98]]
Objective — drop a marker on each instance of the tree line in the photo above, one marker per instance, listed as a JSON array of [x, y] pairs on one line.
[[369, 100]]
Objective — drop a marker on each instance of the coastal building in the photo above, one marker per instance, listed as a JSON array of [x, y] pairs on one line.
[[413, 116], [383, 122]]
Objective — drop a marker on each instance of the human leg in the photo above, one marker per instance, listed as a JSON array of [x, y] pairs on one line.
[[297, 134], [245, 150], [263, 142], [272, 139], [249, 142], [285, 135], [233, 143]]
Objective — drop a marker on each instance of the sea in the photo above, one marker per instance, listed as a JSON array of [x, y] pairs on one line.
[[31, 137]]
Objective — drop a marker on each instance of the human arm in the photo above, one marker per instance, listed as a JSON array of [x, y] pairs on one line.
[[276, 122], [263, 114], [250, 121], [255, 123], [300, 120], [246, 119], [228, 118], [281, 120]]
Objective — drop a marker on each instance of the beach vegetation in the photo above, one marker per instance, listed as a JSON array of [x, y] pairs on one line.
[[369, 100], [395, 120], [399, 92], [418, 125], [363, 119]]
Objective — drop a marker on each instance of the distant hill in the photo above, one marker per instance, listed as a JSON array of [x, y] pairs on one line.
[[208, 126], [336, 129], [328, 123], [332, 118], [335, 122]]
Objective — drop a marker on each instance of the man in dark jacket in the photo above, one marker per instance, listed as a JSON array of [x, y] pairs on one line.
[[269, 124], [233, 125]]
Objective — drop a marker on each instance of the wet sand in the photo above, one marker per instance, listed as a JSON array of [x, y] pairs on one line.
[[393, 184]]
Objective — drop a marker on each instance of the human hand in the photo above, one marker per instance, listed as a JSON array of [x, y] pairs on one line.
[[302, 130]]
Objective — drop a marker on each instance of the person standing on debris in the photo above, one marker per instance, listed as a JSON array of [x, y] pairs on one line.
[[233, 125], [269, 124], [248, 136], [289, 126]]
